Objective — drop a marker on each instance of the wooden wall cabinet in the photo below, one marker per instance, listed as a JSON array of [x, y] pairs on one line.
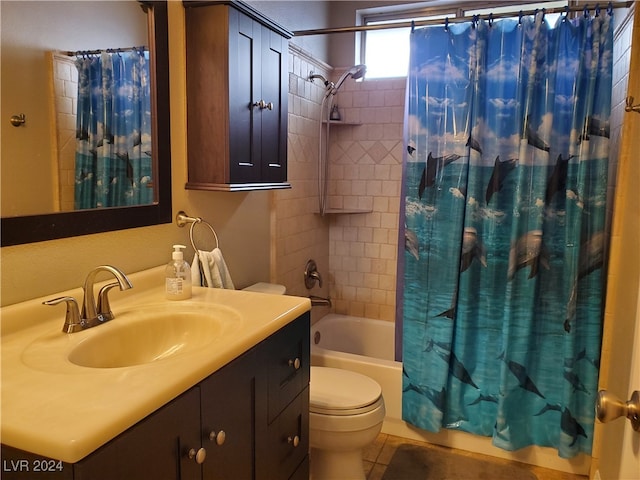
[[237, 96], [249, 420]]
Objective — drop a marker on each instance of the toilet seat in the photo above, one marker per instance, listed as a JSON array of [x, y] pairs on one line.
[[339, 392]]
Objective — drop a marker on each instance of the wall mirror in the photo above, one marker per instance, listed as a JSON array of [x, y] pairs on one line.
[[31, 164]]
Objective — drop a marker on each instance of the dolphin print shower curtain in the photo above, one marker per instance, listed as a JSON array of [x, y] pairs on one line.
[[113, 130], [503, 218]]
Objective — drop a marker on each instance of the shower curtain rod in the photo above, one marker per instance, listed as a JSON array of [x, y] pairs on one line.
[[421, 23], [108, 50]]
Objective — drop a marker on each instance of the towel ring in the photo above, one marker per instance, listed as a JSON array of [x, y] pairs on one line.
[[182, 219], [193, 244]]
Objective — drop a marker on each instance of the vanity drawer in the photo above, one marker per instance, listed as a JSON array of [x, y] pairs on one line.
[[288, 361], [288, 440]]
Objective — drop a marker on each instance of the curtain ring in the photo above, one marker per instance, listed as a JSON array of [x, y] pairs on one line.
[[566, 13], [446, 24], [586, 12], [544, 13], [597, 10], [520, 18], [610, 8], [413, 26], [491, 19]]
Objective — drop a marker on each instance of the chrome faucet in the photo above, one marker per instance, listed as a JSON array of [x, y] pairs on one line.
[[92, 314]]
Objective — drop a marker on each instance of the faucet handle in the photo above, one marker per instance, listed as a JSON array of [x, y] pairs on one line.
[[72, 322], [103, 306]]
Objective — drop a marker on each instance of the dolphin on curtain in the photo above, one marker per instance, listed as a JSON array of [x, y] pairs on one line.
[[558, 179], [528, 250], [434, 164], [568, 423], [522, 375], [500, 171]]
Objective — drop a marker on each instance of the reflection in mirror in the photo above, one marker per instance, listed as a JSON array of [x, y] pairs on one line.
[[39, 171]]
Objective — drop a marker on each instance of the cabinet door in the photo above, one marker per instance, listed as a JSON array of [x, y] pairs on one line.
[[244, 91], [228, 401], [157, 447], [273, 119]]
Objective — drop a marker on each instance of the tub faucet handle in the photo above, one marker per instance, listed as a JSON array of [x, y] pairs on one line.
[[311, 275]]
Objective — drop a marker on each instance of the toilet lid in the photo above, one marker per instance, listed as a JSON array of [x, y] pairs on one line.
[[337, 391]]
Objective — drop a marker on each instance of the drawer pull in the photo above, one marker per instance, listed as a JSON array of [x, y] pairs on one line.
[[295, 363], [219, 437], [198, 455], [295, 440]]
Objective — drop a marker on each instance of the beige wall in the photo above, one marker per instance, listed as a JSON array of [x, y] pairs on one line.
[[242, 221]]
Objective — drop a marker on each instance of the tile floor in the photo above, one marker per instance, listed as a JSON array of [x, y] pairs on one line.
[[378, 456]]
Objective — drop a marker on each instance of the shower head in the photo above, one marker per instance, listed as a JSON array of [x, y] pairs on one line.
[[313, 76], [355, 72]]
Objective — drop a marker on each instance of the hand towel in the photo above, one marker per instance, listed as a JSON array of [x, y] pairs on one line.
[[209, 269]]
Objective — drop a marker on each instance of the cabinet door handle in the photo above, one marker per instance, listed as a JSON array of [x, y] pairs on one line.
[[262, 104], [219, 437], [295, 440], [199, 455], [295, 363]]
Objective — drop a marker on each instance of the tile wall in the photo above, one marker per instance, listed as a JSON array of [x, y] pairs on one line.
[[300, 233], [65, 92], [356, 253], [365, 174]]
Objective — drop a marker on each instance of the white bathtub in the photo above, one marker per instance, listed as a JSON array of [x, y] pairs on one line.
[[367, 346]]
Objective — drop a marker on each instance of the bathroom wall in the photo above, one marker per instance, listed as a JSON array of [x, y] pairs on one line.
[[300, 233], [242, 220], [365, 174]]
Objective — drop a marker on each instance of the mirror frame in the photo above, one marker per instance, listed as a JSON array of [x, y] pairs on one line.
[[51, 226]]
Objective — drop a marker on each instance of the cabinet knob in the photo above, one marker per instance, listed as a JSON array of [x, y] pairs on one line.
[[219, 437], [295, 440], [295, 363], [199, 455], [262, 104]]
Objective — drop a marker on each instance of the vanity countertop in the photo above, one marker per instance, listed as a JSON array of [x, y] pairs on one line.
[[65, 411]]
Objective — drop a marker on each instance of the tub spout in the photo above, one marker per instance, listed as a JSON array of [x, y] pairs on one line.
[[319, 301]]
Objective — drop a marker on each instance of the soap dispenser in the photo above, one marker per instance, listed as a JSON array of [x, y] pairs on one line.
[[178, 276]]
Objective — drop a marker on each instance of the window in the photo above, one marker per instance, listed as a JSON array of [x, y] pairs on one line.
[[386, 51]]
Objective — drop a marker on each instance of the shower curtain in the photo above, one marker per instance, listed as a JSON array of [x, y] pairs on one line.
[[113, 130], [503, 217]]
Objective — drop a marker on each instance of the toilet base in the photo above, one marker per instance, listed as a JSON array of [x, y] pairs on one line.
[[335, 465]]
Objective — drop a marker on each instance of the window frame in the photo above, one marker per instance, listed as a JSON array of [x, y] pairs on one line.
[[424, 10]]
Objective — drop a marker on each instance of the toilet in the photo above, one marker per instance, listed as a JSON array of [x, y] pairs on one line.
[[270, 288], [346, 410]]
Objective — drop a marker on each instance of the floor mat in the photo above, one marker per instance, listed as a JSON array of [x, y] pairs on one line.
[[412, 462]]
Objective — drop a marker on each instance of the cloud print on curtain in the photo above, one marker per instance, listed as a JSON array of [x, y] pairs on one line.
[[113, 133], [504, 195]]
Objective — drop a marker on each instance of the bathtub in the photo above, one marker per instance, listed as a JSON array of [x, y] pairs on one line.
[[367, 346]]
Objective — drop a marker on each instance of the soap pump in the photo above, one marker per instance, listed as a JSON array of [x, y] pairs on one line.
[[178, 276]]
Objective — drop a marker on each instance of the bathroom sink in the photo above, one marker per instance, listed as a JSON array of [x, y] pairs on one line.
[[137, 337]]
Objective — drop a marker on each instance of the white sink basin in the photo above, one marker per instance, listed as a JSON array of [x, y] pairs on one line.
[[136, 337]]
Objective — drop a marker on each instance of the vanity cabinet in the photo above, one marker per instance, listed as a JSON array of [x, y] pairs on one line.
[[248, 420], [237, 96], [156, 447]]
